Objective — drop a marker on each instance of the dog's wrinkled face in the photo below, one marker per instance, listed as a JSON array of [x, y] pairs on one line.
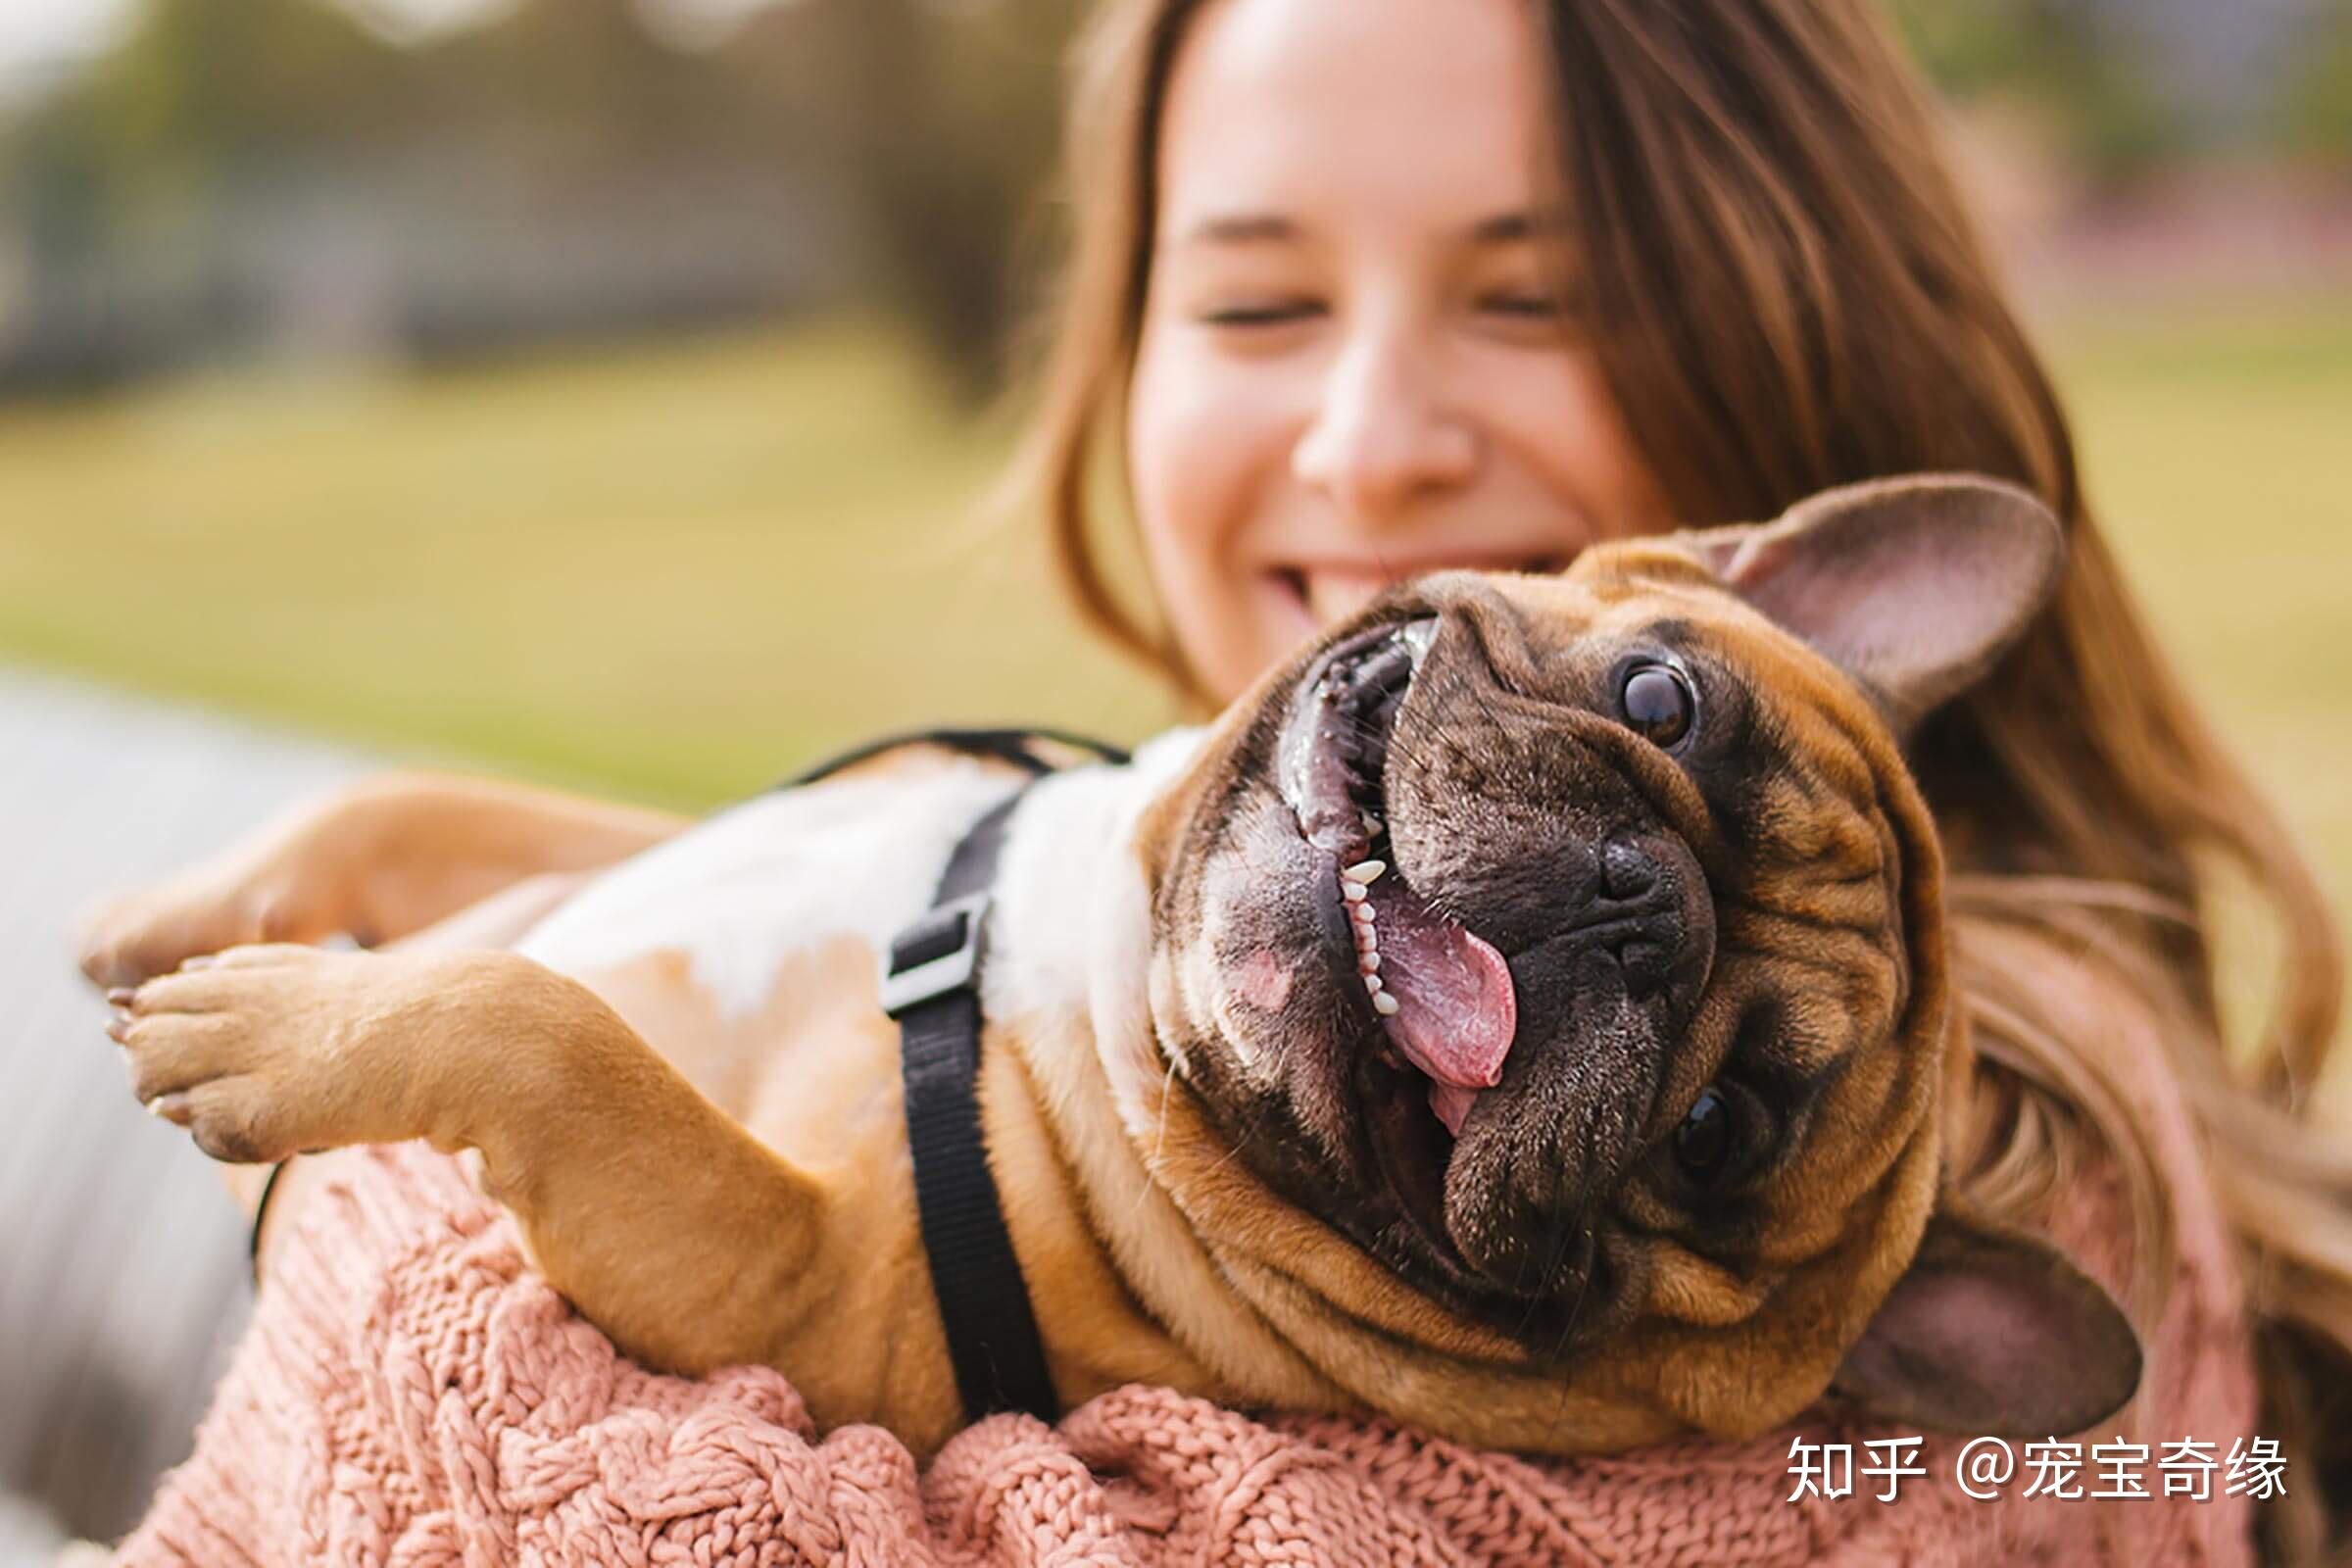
[[1508, 932], [1572, 943]]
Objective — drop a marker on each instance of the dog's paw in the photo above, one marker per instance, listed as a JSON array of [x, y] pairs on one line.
[[265, 1051], [131, 939]]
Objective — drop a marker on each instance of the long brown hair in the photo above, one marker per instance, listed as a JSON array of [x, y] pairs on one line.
[[1784, 293]]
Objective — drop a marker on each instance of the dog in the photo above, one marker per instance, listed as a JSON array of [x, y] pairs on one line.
[[1524, 1015]]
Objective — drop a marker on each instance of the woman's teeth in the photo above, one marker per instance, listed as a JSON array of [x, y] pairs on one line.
[[1331, 594], [1355, 885], [1334, 594]]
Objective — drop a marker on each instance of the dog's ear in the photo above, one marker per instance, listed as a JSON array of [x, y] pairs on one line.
[[1913, 585], [1995, 1334]]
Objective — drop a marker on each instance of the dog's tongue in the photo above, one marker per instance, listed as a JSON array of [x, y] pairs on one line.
[[1455, 1009]]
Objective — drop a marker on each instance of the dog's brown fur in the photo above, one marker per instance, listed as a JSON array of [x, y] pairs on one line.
[[714, 1186]]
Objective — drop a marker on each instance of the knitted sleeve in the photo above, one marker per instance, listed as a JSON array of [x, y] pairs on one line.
[[409, 1392]]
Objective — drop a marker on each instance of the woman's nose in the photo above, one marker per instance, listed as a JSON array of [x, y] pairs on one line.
[[1381, 439]]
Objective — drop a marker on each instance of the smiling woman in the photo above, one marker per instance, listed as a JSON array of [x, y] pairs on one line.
[[1357, 357]]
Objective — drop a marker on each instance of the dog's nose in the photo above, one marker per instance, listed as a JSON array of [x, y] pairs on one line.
[[1627, 872], [1638, 913]]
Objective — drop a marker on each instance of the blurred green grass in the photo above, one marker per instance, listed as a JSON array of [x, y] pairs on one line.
[[674, 572], [2217, 446]]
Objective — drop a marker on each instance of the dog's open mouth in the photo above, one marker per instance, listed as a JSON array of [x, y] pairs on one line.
[[1438, 1008]]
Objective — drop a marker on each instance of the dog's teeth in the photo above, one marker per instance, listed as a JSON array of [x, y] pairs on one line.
[[1365, 872], [1372, 984], [1371, 823], [1369, 957], [1384, 1004], [1352, 891], [1360, 911]]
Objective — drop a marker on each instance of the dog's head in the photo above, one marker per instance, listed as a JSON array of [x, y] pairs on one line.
[[1573, 945]]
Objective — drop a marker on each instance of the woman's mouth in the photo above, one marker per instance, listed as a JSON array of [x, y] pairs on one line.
[[1331, 592]]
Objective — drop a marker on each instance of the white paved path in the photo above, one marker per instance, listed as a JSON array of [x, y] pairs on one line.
[[121, 1261]]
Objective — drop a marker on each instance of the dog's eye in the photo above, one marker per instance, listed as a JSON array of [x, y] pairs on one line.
[[1659, 704], [1703, 1143]]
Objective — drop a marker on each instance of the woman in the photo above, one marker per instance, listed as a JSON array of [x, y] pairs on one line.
[[1732, 270], [1360, 291]]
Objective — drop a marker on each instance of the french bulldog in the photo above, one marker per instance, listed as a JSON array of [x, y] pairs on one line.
[[1525, 1014]]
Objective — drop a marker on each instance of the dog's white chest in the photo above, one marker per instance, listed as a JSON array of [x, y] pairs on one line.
[[739, 894]]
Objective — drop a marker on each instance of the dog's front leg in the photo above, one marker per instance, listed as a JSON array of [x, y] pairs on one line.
[[378, 859], [635, 1193]]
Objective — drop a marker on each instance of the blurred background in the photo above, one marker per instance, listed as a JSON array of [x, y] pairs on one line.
[[597, 391], [600, 389]]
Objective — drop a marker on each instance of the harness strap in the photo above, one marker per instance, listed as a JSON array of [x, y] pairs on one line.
[[933, 991], [1014, 746], [932, 988]]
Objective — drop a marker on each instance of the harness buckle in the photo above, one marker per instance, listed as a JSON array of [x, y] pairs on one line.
[[937, 955]]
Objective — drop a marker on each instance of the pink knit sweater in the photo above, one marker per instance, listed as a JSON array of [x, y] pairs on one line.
[[410, 1394]]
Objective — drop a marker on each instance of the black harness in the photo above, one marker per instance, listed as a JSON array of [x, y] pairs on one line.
[[932, 988]]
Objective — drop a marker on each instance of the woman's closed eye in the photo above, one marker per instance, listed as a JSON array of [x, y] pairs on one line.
[[1526, 312], [1532, 305], [1248, 313]]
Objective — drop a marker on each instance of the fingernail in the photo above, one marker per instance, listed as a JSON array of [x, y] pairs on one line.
[[202, 960], [121, 996], [116, 1027], [165, 1105]]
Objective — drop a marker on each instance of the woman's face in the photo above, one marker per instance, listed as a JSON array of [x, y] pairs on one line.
[[1354, 365]]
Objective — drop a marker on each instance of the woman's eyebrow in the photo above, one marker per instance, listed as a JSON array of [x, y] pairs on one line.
[[1241, 228], [1276, 228], [1513, 229]]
